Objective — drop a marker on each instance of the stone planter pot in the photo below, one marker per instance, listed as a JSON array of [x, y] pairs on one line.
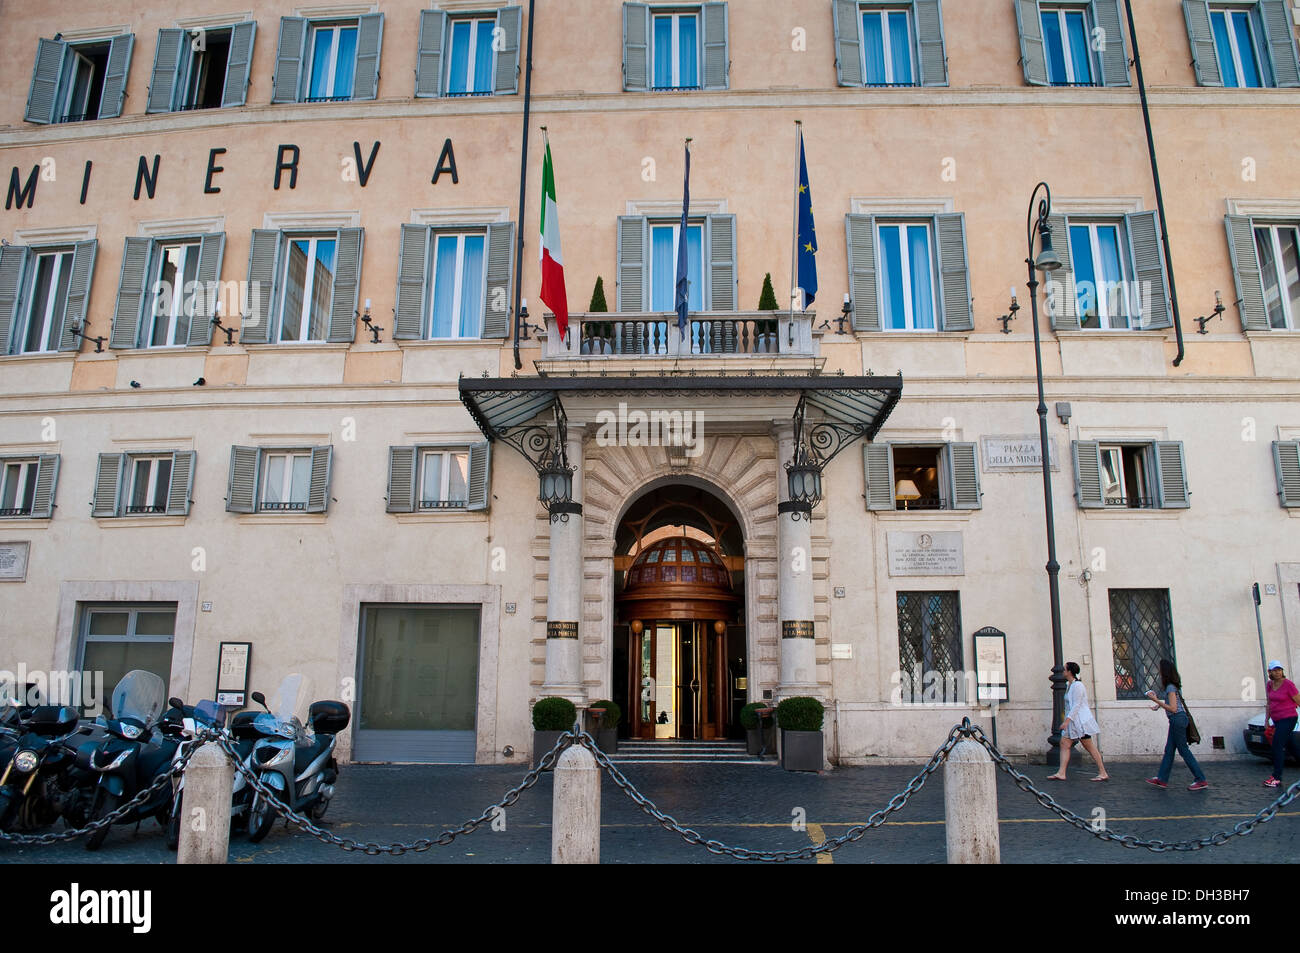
[[544, 741], [754, 738], [801, 750]]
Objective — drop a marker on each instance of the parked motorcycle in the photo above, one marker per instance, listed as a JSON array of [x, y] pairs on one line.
[[30, 795], [213, 716]]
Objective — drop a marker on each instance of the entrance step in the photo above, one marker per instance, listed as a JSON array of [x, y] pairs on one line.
[[674, 751]]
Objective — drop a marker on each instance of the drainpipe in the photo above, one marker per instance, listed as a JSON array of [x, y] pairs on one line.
[[523, 179], [1155, 174]]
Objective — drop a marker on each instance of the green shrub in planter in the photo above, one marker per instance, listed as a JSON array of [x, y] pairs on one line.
[[800, 714], [613, 714], [767, 297], [749, 716], [554, 714], [598, 304]]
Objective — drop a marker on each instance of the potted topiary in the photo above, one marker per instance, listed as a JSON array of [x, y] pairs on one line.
[[598, 339], [552, 717], [765, 330], [800, 719], [606, 727], [749, 720]]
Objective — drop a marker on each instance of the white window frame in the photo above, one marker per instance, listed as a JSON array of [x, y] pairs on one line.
[[475, 26], [1146, 491], [78, 60], [286, 503], [459, 291], [51, 300], [308, 288], [883, 12], [194, 78], [133, 610], [336, 27], [179, 300], [1291, 319], [1102, 302], [941, 452], [1262, 69], [676, 226], [26, 466], [442, 501], [908, 310], [676, 59], [1071, 73], [152, 504]]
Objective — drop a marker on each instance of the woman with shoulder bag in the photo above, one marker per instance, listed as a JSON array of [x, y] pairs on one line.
[[1179, 720]]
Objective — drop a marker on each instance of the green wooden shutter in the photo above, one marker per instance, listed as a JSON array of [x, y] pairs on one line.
[[182, 483], [42, 97], [878, 475], [1087, 473], [108, 482], [963, 475], [846, 16], [428, 62], [497, 299], [347, 285], [370, 41], [1246, 273], [1286, 460], [288, 60], [1033, 54], [263, 251], [928, 15], [722, 263], [131, 293], [241, 489], [631, 279], [412, 283], [239, 63], [716, 65], [401, 479], [861, 231], [13, 261], [1062, 296], [166, 71], [505, 80], [1149, 269], [1281, 42], [1114, 58], [212, 249], [119, 64], [954, 274], [1205, 59], [83, 269], [1171, 474], [47, 483], [318, 495], [636, 47], [480, 455]]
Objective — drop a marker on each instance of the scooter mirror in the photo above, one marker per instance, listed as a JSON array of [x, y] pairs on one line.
[[260, 699], [175, 702]]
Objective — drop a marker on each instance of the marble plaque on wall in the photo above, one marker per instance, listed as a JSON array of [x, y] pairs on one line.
[[13, 561], [926, 554]]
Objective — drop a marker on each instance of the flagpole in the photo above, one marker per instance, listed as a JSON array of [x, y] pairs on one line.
[[794, 239]]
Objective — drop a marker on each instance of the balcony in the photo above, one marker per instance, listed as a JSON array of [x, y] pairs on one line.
[[724, 336]]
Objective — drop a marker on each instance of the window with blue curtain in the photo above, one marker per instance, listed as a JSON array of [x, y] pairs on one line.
[[676, 54], [1235, 34], [333, 62], [906, 277], [887, 48], [470, 63], [458, 286], [663, 266], [1100, 280], [1065, 40]]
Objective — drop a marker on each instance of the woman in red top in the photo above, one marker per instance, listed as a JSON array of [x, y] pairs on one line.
[[1282, 700]]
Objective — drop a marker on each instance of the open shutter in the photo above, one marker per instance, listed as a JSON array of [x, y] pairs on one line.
[[636, 47], [428, 63], [631, 273], [954, 274], [1281, 42], [288, 60], [848, 42], [239, 63], [479, 458], [722, 263], [44, 92], [370, 40], [119, 64], [108, 480], [263, 249], [1114, 56], [506, 77], [1246, 274], [929, 41], [318, 496], [131, 293], [241, 491], [182, 483], [1149, 267], [401, 479], [1286, 460], [716, 64], [412, 282], [1062, 296], [83, 268], [1087, 473], [166, 70], [1205, 59], [212, 249], [1171, 474], [861, 230], [878, 474], [964, 476], [13, 259], [47, 482], [496, 303], [1033, 55], [347, 285]]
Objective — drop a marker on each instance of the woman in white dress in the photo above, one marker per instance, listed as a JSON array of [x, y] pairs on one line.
[[1079, 725]]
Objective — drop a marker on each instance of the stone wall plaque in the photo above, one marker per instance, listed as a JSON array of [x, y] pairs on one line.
[[797, 629], [926, 554], [1016, 453], [13, 561], [561, 630]]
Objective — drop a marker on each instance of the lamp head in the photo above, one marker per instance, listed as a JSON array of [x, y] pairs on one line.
[[1047, 259]]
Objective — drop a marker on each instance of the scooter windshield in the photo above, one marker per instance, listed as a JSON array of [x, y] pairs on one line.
[[293, 700], [140, 696]]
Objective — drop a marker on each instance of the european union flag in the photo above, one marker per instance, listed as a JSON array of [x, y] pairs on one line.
[[807, 234]]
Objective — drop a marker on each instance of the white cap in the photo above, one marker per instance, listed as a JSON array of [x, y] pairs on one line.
[[1274, 664]]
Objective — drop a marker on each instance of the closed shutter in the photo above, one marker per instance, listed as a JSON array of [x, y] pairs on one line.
[[716, 66], [239, 63], [1033, 55], [861, 230], [370, 40], [631, 275], [479, 459], [166, 70], [13, 260], [1205, 59], [428, 63], [1246, 273], [318, 496], [43, 95], [119, 64], [722, 263], [929, 41], [212, 249], [412, 281], [636, 47], [1171, 474], [1114, 57], [1062, 296], [1286, 460], [347, 285], [506, 78], [83, 268], [954, 275], [288, 60], [262, 252], [108, 480], [963, 476], [131, 293], [1087, 473], [47, 483], [241, 490], [848, 42], [496, 304], [1149, 268], [1281, 42], [182, 483], [401, 479], [878, 475]]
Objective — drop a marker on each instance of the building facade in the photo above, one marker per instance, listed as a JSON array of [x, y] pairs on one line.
[[274, 372]]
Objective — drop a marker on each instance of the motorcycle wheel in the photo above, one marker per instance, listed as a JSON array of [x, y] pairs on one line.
[[318, 809], [261, 817], [174, 823], [103, 805]]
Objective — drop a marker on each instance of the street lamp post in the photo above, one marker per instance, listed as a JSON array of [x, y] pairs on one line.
[[1047, 260]]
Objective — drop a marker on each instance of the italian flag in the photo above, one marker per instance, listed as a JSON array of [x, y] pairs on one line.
[[553, 294]]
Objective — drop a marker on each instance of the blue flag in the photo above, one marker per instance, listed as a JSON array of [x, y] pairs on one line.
[[682, 299], [807, 240]]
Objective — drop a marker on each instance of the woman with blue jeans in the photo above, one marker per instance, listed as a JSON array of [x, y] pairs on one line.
[[1282, 699], [1178, 720]]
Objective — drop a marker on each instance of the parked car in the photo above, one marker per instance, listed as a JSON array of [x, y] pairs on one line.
[[1253, 735]]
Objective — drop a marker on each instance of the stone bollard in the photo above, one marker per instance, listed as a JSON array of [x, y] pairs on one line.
[[970, 805], [575, 810], [205, 808]]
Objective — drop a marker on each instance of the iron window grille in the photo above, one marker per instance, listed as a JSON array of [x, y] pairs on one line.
[[1142, 633], [930, 645]]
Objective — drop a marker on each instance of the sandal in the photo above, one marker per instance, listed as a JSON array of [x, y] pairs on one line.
[[1055, 777], [1106, 778]]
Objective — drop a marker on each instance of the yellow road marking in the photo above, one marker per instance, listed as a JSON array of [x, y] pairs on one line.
[[818, 836]]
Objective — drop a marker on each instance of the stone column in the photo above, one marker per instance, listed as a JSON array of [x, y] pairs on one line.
[[564, 591], [794, 581]]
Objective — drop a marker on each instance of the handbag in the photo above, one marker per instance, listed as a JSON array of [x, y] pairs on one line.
[[1193, 733]]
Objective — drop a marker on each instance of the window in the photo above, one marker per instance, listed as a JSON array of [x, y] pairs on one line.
[[286, 478], [423, 478], [333, 63], [1112, 274], [647, 263], [907, 298], [887, 47], [327, 60], [444, 479], [664, 239], [279, 479], [1148, 474], [1242, 45], [468, 56], [75, 82], [909, 274], [309, 282], [889, 43], [1236, 45], [173, 290], [470, 60], [131, 484], [43, 295], [458, 286], [167, 293], [1066, 39], [454, 283], [116, 638], [201, 68], [1079, 43], [1278, 247], [930, 646], [1101, 274], [675, 47], [1126, 476], [1141, 634], [48, 301], [676, 51], [27, 486], [903, 476]]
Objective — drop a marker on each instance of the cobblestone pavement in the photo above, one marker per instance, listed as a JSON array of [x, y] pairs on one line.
[[751, 806]]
